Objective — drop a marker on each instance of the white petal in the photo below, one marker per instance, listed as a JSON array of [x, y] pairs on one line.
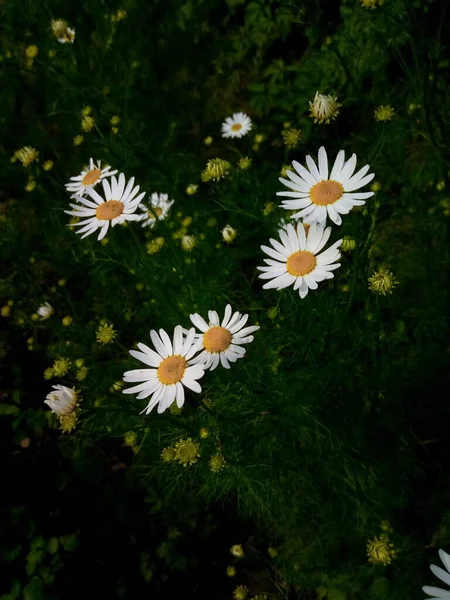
[[436, 592], [281, 282], [304, 173], [445, 559], [338, 164], [334, 216], [227, 316], [177, 339], [323, 163], [191, 384], [187, 349], [347, 170], [146, 359], [139, 375], [179, 394], [359, 184], [160, 347], [199, 322], [224, 361], [104, 231], [440, 574], [273, 253], [166, 341]]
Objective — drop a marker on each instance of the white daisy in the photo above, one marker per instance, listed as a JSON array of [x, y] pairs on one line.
[[320, 193], [172, 368], [62, 401], [118, 205], [221, 341], [435, 592], [236, 126], [296, 260], [45, 311], [88, 178], [158, 210]]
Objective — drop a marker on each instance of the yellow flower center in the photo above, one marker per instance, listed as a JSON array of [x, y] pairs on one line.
[[236, 127], [326, 192], [91, 177], [109, 210], [301, 263], [216, 339], [172, 369], [157, 211]]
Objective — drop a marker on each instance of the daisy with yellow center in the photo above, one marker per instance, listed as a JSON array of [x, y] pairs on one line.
[[158, 210], [88, 178], [298, 259], [320, 193], [117, 205], [171, 370], [221, 342], [236, 126]]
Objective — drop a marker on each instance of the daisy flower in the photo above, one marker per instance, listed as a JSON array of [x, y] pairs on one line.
[[45, 311], [221, 341], [296, 260], [62, 400], [88, 178], [172, 368], [435, 592], [236, 126], [118, 205], [159, 209], [318, 192]]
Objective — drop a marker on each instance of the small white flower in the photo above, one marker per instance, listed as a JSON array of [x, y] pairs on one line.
[[62, 401], [63, 33], [158, 210], [296, 260], [221, 341], [228, 234], [324, 108], [88, 178], [320, 194], [236, 126], [172, 368], [45, 311], [68, 37], [118, 205], [435, 592]]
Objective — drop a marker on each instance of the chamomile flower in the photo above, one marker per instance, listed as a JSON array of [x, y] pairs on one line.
[[221, 342], [324, 108], [62, 32], [62, 400], [117, 206], [172, 368], [45, 311], [298, 259], [320, 193], [236, 126], [88, 178], [435, 592], [158, 210]]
